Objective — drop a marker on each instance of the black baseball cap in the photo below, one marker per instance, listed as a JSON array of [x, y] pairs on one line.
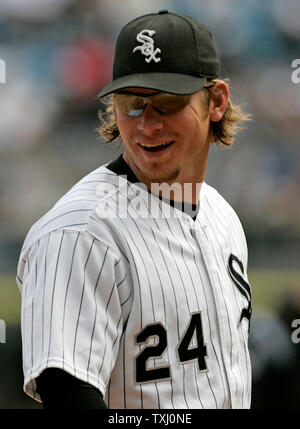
[[166, 52]]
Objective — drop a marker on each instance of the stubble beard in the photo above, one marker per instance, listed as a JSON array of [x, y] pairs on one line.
[[165, 176]]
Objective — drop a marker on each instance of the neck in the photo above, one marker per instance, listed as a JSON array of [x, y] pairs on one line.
[[182, 188]]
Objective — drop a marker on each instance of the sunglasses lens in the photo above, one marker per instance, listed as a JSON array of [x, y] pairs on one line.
[[129, 104], [168, 104], [165, 104], [135, 112]]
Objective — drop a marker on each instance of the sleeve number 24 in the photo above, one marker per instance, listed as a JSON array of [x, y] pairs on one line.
[[185, 352]]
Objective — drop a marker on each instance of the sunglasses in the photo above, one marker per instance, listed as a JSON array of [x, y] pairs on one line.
[[134, 104]]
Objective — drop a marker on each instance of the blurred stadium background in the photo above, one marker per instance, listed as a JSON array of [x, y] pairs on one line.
[[58, 55]]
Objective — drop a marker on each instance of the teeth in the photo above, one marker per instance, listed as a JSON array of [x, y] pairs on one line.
[[155, 145]]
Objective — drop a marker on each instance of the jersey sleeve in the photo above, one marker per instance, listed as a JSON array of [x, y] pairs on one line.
[[74, 292]]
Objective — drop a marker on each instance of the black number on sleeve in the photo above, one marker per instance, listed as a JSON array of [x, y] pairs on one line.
[[241, 284], [151, 351], [187, 353]]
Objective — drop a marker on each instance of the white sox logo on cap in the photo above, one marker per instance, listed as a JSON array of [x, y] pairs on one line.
[[147, 48]]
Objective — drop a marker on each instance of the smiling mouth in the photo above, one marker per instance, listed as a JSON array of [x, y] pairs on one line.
[[156, 148]]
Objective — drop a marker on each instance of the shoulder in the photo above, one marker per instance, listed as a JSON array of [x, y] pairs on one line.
[[73, 211], [211, 198], [74, 222], [217, 208]]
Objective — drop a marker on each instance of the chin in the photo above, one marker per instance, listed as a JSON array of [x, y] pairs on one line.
[[161, 176]]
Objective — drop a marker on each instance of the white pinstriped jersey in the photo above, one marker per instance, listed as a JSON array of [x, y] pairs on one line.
[[150, 309]]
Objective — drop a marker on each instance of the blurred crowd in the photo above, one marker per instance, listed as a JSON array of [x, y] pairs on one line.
[[58, 55], [275, 354]]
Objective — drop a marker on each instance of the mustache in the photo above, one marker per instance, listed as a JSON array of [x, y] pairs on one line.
[[155, 136]]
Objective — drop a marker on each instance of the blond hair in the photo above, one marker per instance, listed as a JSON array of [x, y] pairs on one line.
[[223, 131]]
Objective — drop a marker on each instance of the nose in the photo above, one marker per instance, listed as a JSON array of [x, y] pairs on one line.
[[150, 121]]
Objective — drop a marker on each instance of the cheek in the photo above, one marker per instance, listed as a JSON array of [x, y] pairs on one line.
[[120, 118], [125, 125], [199, 110], [195, 126]]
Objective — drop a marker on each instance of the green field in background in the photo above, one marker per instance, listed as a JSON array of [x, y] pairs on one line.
[[268, 290], [10, 299]]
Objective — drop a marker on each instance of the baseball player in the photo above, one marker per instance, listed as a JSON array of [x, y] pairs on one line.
[[134, 285]]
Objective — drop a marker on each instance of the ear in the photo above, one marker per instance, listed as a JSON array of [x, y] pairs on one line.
[[219, 100]]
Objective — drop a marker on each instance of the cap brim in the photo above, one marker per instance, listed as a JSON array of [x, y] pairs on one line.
[[173, 83]]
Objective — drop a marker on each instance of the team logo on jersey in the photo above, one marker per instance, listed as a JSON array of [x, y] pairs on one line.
[[147, 47], [241, 284]]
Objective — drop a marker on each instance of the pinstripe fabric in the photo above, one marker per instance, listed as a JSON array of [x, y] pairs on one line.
[[92, 281]]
